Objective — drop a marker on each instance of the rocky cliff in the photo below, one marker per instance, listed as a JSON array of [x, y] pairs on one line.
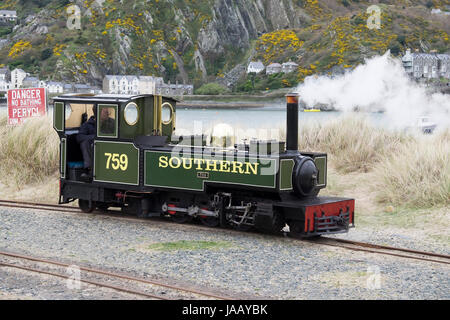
[[209, 40]]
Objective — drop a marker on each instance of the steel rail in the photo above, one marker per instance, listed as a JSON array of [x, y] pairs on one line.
[[378, 246], [363, 245], [95, 283], [118, 276], [38, 206]]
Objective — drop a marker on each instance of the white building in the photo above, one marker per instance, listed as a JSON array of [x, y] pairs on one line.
[[30, 82], [5, 74], [147, 85], [8, 15], [426, 65], [174, 89], [121, 84], [255, 67], [17, 77], [68, 88], [289, 67], [4, 79], [54, 87], [143, 85], [273, 68]]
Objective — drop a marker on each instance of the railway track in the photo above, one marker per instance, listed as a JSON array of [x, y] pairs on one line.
[[334, 242], [384, 250], [41, 206], [119, 282]]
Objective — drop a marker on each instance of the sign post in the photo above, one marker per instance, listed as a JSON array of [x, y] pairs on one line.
[[24, 104]]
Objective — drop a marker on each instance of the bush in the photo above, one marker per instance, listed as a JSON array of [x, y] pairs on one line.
[[46, 53], [4, 31], [211, 89]]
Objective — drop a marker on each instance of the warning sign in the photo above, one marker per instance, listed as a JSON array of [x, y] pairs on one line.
[[25, 103]]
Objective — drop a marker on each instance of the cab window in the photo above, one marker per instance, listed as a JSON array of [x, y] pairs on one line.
[[76, 114], [107, 121]]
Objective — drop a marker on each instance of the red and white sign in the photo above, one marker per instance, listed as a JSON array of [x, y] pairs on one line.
[[24, 104]]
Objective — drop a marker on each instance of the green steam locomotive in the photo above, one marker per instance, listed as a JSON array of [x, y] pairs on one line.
[[141, 166]]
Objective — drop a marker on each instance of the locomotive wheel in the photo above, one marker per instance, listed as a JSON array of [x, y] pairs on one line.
[[277, 225], [210, 221], [85, 207], [181, 218], [297, 229]]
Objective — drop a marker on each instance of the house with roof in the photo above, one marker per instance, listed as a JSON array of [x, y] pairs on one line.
[[174, 89], [255, 66], [118, 84], [55, 87], [273, 68], [5, 77], [426, 65], [8, 15], [5, 74], [17, 77], [30, 82], [289, 67], [68, 88]]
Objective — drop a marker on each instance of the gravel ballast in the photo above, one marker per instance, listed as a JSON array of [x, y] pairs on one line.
[[257, 265]]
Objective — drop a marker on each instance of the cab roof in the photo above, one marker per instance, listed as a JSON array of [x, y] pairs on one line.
[[104, 97]]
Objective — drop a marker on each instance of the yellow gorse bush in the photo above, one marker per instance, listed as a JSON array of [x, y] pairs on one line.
[[271, 44], [18, 48]]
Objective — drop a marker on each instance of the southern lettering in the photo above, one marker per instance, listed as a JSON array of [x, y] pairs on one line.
[[250, 168]]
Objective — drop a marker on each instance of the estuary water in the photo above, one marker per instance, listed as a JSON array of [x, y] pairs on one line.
[[268, 117]]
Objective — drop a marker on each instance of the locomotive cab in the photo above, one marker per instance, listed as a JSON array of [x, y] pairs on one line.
[[119, 118]]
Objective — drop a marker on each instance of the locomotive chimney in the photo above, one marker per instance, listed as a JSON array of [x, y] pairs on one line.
[[292, 122]]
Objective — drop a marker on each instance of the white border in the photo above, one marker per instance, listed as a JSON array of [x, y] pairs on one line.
[[125, 114], [117, 182], [172, 112], [61, 160], [203, 181]]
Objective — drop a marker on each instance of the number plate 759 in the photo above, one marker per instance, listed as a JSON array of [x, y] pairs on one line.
[[116, 161]]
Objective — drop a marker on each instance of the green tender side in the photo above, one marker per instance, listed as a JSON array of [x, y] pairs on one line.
[[63, 149], [190, 172], [58, 116], [287, 167], [321, 164], [116, 162]]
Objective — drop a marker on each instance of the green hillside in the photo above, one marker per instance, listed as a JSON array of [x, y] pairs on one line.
[[200, 41]]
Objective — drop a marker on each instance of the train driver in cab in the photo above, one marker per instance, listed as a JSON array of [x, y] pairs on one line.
[[107, 124], [85, 138]]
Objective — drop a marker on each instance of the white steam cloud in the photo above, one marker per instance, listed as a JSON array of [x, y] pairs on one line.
[[380, 84]]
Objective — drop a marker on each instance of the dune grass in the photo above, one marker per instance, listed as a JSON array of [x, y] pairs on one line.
[[417, 174], [353, 144], [28, 153]]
